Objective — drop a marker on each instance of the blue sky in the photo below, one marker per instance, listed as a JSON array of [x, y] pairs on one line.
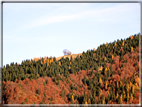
[[46, 29]]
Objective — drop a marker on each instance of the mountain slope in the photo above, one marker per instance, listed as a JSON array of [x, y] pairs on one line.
[[108, 75]]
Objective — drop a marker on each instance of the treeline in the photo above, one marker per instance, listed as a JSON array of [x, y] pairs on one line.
[[91, 59]]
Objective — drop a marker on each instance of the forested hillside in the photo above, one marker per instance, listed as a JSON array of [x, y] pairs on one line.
[[107, 75]]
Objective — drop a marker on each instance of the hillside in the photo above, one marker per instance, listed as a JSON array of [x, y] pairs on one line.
[[108, 75]]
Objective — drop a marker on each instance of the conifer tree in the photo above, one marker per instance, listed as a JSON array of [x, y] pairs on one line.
[[120, 99]]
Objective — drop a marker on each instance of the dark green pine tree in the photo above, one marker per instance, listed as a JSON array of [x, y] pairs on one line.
[[84, 80]]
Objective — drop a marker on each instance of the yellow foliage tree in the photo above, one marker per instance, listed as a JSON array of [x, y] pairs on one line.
[[47, 60], [131, 37], [115, 44], [69, 67], [101, 68], [136, 86], [103, 102], [128, 96], [70, 63], [137, 80], [106, 69], [131, 97], [121, 98], [131, 84], [59, 63], [72, 97], [44, 61], [103, 98], [123, 43], [35, 59], [106, 44], [105, 58], [123, 92], [89, 102], [50, 61], [100, 80], [127, 87], [131, 49], [100, 91], [124, 96], [112, 56], [133, 89], [41, 62], [86, 102], [47, 64], [121, 82]]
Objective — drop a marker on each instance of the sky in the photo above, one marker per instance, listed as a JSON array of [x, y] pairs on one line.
[[45, 29]]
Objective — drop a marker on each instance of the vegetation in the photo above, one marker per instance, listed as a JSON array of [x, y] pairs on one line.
[[98, 73]]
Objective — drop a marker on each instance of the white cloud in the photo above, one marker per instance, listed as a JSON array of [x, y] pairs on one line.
[[104, 14], [95, 12]]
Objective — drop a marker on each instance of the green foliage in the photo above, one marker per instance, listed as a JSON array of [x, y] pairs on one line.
[[44, 95], [44, 83], [26, 100], [38, 92], [23, 102], [62, 95], [89, 60], [119, 72]]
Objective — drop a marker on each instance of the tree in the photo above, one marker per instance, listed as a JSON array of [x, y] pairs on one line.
[[123, 43], [100, 81], [62, 93], [84, 80], [133, 89], [106, 86], [119, 72], [127, 96], [59, 63], [89, 102], [94, 101], [131, 37], [119, 99], [103, 99]]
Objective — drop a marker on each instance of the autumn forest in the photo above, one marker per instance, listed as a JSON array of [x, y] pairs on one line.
[[107, 75]]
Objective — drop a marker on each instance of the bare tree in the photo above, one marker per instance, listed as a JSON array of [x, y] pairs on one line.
[[66, 52]]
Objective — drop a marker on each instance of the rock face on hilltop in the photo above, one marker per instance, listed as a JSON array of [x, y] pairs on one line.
[[108, 75]]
